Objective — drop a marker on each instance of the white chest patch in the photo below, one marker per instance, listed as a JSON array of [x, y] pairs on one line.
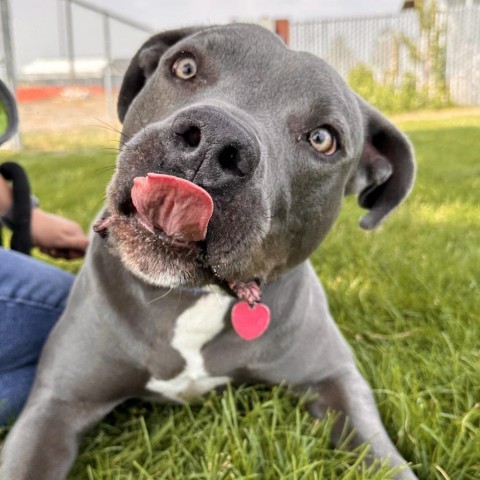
[[193, 329]]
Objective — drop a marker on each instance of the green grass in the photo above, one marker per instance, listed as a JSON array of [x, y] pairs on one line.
[[406, 298], [3, 119]]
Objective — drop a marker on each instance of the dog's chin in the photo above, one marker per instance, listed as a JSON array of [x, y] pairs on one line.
[[162, 262], [153, 257]]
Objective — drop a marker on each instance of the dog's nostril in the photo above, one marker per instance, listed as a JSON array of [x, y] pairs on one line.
[[192, 136], [230, 160]]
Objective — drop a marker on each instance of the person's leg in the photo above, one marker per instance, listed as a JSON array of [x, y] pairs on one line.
[[32, 298]]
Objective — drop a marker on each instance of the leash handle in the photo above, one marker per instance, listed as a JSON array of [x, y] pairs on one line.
[[19, 217]]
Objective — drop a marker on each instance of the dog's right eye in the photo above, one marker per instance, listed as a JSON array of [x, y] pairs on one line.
[[323, 140], [185, 68]]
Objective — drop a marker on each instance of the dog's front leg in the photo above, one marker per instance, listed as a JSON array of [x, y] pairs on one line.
[[44, 441], [350, 396]]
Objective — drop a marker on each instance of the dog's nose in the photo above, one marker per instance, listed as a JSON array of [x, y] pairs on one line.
[[217, 149]]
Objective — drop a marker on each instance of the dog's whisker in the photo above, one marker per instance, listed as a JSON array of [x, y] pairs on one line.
[[105, 168], [131, 148], [144, 130], [159, 298], [100, 203], [210, 287], [125, 145], [139, 117], [110, 127], [110, 149]]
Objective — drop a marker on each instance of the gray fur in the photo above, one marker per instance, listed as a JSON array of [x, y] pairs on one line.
[[274, 204]]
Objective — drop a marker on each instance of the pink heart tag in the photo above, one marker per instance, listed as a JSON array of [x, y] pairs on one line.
[[250, 322]]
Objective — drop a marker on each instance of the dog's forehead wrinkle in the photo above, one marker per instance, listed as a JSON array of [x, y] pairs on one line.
[[238, 37], [263, 61]]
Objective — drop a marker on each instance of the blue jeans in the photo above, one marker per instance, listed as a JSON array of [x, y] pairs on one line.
[[32, 298]]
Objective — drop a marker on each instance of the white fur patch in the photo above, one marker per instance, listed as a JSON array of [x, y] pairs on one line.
[[194, 328]]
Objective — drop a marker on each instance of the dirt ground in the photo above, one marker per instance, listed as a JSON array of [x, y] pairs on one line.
[[66, 113], [74, 121]]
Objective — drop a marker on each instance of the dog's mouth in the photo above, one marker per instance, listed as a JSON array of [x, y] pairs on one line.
[[129, 212], [189, 232], [172, 209], [162, 229]]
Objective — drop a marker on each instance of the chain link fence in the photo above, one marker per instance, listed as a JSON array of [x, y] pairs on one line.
[[395, 46], [463, 55], [389, 57], [67, 98]]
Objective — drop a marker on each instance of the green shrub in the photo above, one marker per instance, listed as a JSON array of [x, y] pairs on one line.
[[391, 98]]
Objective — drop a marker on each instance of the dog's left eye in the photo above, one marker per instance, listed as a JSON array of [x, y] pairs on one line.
[[323, 140], [185, 68]]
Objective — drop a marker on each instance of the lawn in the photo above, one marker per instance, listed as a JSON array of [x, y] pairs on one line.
[[405, 296]]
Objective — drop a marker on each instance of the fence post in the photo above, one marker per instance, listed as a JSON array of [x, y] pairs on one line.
[[70, 41], [282, 28], [108, 84], [107, 16]]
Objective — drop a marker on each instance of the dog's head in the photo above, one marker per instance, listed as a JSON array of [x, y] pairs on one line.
[[274, 139]]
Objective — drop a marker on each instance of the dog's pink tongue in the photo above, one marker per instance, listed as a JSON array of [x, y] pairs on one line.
[[178, 207]]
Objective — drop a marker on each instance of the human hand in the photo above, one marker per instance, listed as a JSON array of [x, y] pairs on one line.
[[5, 196], [57, 236]]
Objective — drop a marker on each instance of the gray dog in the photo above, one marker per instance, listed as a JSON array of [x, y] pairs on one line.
[[237, 154]]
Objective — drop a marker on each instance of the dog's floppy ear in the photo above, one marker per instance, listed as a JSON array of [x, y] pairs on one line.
[[144, 63], [385, 173]]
